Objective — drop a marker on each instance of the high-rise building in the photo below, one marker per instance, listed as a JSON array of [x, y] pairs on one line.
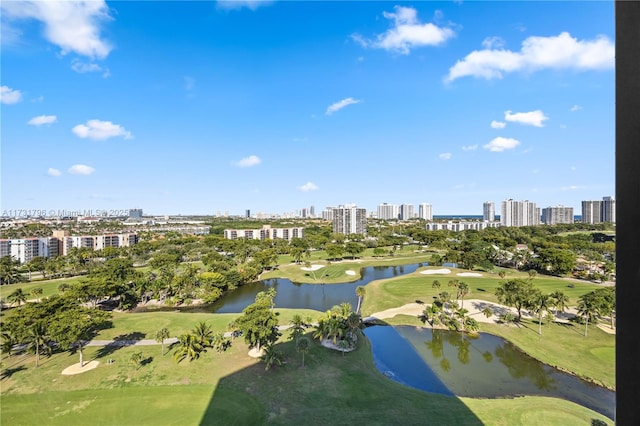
[[608, 212], [247, 213], [406, 211], [425, 211], [388, 211], [349, 219], [519, 213], [559, 214], [135, 213], [488, 211], [327, 214], [304, 213], [599, 211], [312, 211]]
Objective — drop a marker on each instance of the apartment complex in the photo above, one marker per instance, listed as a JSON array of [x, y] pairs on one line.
[[488, 211], [425, 211], [406, 211], [349, 220], [265, 233], [559, 214], [462, 225], [388, 211], [599, 211], [25, 249], [519, 213]]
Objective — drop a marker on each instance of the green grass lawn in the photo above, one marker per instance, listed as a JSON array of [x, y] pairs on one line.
[[231, 388], [397, 291]]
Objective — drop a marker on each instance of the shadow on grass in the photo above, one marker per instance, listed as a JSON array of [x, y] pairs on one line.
[[331, 388], [120, 341], [8, 372]]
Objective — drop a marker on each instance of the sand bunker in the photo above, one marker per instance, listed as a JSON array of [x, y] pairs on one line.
[[469, 274], [350, 272], [312, 268], [76, 369], [436, 271]]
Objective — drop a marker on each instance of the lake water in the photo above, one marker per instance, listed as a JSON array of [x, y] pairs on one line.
[[483, 366], [320, 297]]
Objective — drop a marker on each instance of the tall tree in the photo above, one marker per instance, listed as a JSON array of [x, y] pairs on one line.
[[360, 292], [258, 323], [302, 345], [463, 290], [540, 305], [37, 292], [74, 327], [188, 348], [18, 296], [161, 336], [559, 300], [589, 307], [38, 339], [9, 273], [517, 293]]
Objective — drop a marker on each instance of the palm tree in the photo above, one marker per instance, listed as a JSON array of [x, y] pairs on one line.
[[9, 339], [38, 339], [435, 284], [18, 296], [302, 346], [203, 333], [487, 312], [136, 359], [36, 292], [589, 307], [541, 304], [161, 335], [271, 356], [360, 292], [463, 290], [188, 347], [559, 301], [297, 327]]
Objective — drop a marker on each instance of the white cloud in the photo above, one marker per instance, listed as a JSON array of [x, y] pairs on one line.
[[85, 67], [341, 104], [445, 156], [500, 144], [555, 52], [42, 119], [9, 95], [575, 108], [239, 4], [470, 147], [53, 172], [531, 118], [100, 130], [74, 26], [407, 33], [493, 43], [309, 186], [81, 169], [250, 161], [498, 124]]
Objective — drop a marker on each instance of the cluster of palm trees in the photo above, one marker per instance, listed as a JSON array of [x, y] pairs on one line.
[[340, 325], [444, 311], [191, 345], [600, 302]]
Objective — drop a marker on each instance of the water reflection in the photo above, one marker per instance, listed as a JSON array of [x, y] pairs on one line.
[[487, 366]]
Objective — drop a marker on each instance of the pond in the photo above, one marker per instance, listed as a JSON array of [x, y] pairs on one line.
[[482, 366], [320, 297]]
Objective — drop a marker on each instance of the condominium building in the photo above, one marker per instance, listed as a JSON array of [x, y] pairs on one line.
[[388, 211], [519, 213], [559, 214], [425, 211], [327, 214], [349, 220], [25, 249], [265, 233], [599, 211], [461, 225], [406, 211], [488, 211]]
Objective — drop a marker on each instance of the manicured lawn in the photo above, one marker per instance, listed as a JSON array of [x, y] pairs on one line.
[[231, 388], [397, 291]]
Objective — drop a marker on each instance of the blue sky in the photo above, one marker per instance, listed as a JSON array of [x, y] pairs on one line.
[[200, 107]]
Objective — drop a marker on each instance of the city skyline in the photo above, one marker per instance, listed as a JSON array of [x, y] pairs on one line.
[[199, 107]]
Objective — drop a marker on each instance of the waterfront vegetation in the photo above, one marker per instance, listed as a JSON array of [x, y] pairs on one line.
[[232, 388]]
